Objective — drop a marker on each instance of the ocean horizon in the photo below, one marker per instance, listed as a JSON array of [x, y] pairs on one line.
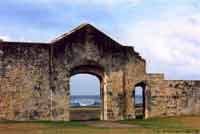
[[93, 100]]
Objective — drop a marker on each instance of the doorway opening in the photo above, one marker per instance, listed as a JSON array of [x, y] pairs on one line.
[[85, 97], [139, 100]]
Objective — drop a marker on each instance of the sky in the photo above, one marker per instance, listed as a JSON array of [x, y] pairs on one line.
[[165, 32], [84, 84]]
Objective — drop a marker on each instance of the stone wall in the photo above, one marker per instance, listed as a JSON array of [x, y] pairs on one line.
[[96, 54], [24, 81], [34, 79], [173, 97]]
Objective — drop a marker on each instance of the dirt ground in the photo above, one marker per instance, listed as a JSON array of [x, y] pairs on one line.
[[107, 124]]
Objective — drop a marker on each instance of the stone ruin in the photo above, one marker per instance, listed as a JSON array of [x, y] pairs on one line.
[[34, 79]]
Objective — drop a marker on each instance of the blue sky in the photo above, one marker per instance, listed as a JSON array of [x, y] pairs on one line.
[[84, 84], [166, 33]]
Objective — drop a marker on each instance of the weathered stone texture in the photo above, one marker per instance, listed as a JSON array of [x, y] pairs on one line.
[[174, 97], [89, 51], [24, 88], [34, 79]]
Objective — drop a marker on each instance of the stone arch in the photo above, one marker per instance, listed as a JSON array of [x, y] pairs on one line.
[[97, 71], [24, 66], [50, 66]]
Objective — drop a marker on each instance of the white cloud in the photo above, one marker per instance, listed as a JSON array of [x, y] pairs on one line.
[[4, 38], [170, 45]]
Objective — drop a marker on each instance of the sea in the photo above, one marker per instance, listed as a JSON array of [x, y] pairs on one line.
[[93, 100]]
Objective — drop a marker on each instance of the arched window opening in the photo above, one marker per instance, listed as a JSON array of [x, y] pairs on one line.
[[139, 101], [85, 97]]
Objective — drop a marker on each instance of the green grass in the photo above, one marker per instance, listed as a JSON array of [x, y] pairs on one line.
[[48, 123], [170, 125], [158, 123]]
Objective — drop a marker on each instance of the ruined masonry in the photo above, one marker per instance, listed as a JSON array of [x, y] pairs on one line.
[[34, 79]]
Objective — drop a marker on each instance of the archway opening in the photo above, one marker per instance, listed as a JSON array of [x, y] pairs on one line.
[[139, 101], [85, 97]]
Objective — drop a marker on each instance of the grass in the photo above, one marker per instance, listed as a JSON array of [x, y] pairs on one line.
[[172, 125], [47, 123], [158, 123]]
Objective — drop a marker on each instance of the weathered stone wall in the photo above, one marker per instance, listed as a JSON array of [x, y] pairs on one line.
[[91, 52], [132, 73], [34, 79], [24, 81], [173, 97]]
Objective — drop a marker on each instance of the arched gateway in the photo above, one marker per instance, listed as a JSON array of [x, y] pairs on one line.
[[34, 79]]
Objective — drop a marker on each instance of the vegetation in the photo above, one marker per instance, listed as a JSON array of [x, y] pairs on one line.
[[158, 123], [172, 125]]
